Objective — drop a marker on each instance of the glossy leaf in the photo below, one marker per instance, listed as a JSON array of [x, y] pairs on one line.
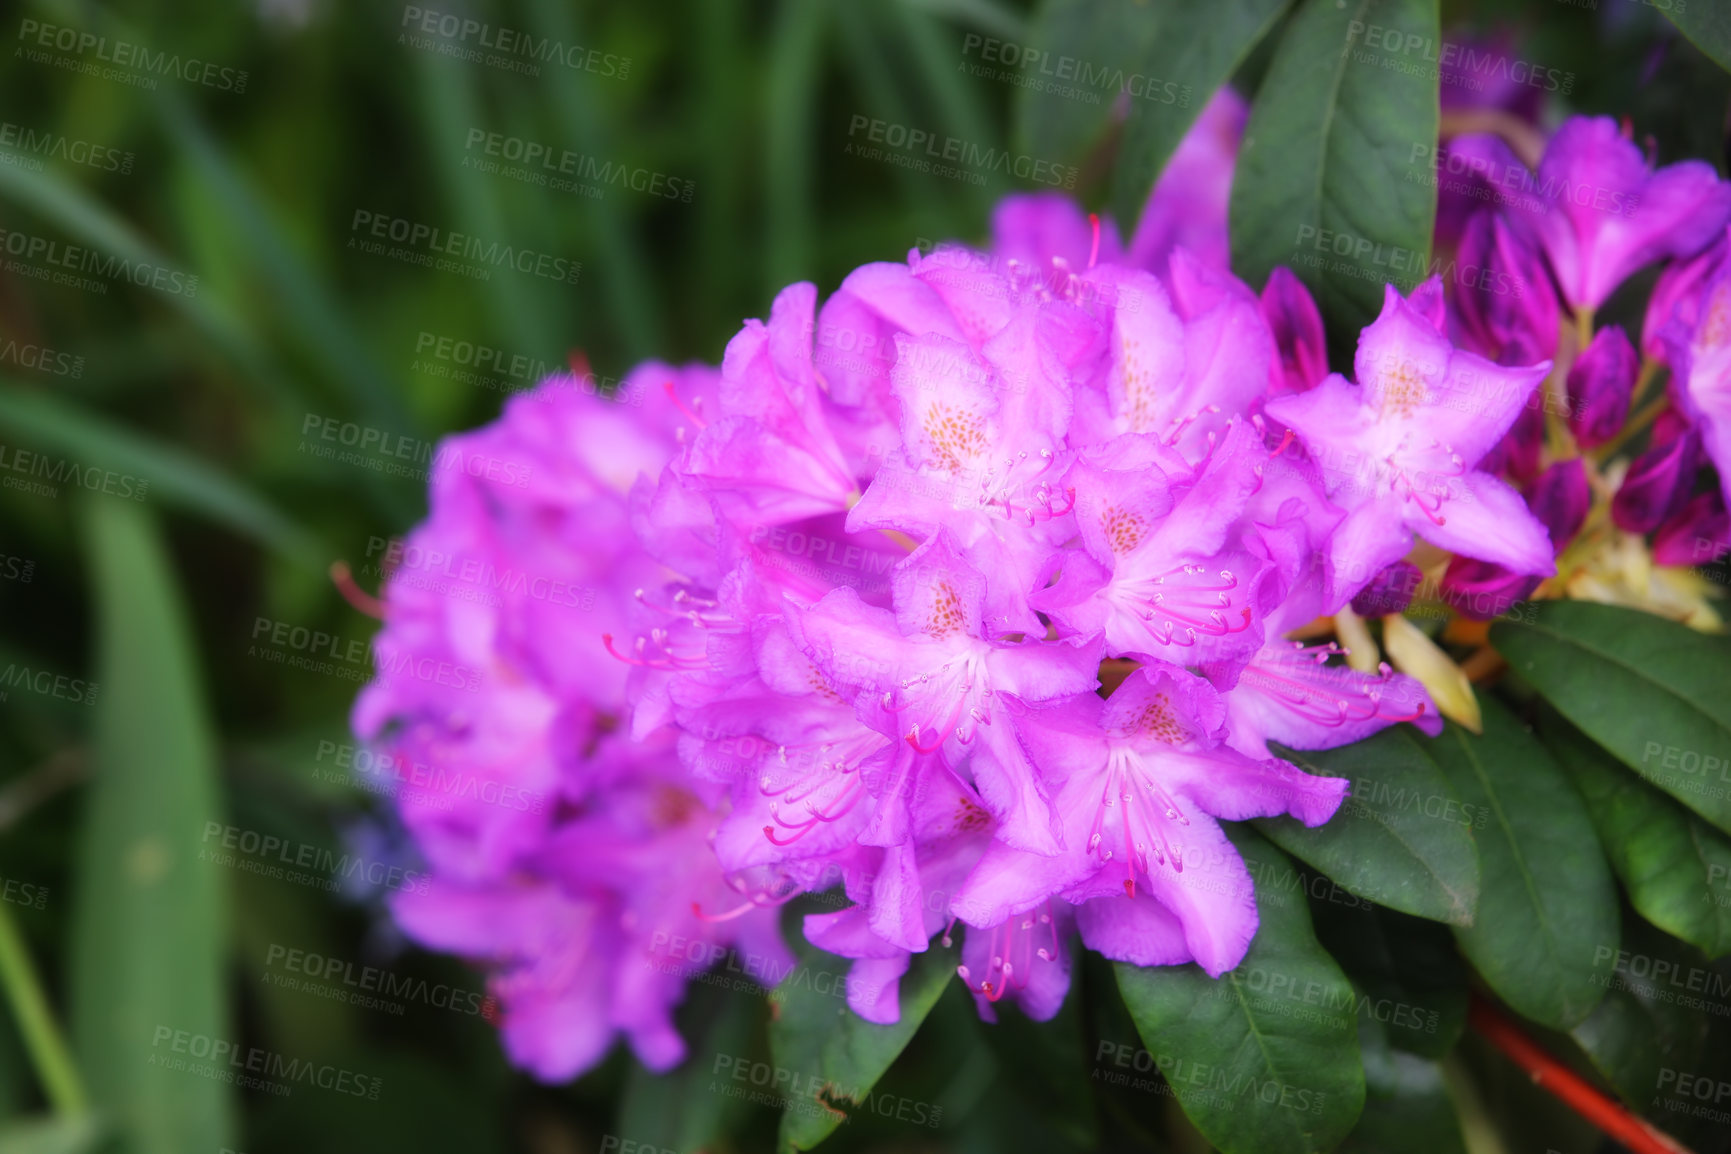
[[1264, 1060], [1675, 867], [1320, 183], [1546, 900], [1642, 1026], [1402, 838], [835, 1055], [1410, 977], [1708, 27], [1649, 690], [1407, 1106]]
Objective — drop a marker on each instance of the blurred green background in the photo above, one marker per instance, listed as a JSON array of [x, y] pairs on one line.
[[164, 520]]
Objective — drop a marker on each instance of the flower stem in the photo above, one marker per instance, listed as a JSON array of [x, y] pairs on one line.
[[1639, 1135], [42, 1037], [1583, 329]]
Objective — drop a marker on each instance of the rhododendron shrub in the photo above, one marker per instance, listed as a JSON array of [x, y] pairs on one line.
[[969, 618]]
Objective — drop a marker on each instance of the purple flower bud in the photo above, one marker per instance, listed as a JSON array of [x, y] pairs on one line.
[[1291, 313], [1390, 591], [1698, 534], [1560, 499], [1600, 383], [1659, 482], [1483, 590], [1507, 307]]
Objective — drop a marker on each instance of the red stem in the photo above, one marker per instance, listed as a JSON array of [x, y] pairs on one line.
[[1636, 1133]]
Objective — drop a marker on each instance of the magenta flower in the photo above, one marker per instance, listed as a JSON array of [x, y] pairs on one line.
[[1699, 353], [1164, 577], [1609, 214], [1147, 774], [1398, 450], [929, 676], [1698, 534], [1288, 693]]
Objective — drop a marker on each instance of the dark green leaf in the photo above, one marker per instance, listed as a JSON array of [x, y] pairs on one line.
[[1265, 1060], [1676, 867], [1641, 1027], [835, 1055], [1406, 1105], [1707, 25], [1409, 975], [1649, 690], [1402, 838], [1169, 58], [1546, 899], [1196, 47], [148, 936], [1325, 182], [674, 1110]]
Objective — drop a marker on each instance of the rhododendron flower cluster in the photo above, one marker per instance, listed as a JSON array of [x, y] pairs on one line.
[[969, 589]]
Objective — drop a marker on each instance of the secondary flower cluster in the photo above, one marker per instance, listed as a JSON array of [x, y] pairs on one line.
[[968, 590]]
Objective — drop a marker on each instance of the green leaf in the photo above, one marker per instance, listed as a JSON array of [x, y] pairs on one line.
[[1641, 1026], [1197, 47], [1327, 154], [1402, 838], [1410, 977], [50, 1136], [835, 1056], [1546, 899], [148, 937], [1676, 867], [1649, 690], [674, 1110], [1407, 1106], [1169, 59], [1707, 25], [1264, 1060], [171, 474]]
